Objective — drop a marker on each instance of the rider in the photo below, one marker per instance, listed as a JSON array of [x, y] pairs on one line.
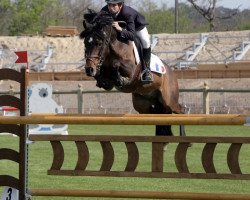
[[135, 26]]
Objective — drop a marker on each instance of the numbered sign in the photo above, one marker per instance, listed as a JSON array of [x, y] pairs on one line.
[[10, 194]]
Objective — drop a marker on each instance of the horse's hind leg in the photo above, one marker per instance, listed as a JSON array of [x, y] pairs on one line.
[[178, 110], [183, 133], [182, 130], [143, 105], [161, 130]]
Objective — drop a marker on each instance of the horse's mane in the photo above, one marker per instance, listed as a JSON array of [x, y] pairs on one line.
[[95, 22]]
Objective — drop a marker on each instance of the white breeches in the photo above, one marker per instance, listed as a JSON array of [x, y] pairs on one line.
[[144, 37]]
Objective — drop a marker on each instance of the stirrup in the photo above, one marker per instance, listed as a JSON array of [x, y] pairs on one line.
[[150, 74]]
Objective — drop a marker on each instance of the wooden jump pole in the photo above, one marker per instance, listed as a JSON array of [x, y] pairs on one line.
[[139, 115], [136, 194], [116, 120]]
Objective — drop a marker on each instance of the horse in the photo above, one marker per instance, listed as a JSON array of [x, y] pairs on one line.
[[111, 61]]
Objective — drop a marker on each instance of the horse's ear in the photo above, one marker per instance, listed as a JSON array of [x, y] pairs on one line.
[[89, 17], [87, 25], [87, 29], [83, 34]]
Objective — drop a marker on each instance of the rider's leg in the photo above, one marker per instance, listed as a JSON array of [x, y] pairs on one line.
[[146, 73], [144, 37]]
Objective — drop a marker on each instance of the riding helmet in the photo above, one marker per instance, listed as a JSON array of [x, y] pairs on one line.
[[114, 1]]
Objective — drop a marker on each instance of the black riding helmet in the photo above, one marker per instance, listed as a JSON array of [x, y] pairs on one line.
[[114, 1]]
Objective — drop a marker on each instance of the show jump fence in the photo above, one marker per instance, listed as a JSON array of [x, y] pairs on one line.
[[16, 129], [9, 124]]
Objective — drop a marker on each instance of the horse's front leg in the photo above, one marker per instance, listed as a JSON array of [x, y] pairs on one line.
[[104, 83], [117, 77], [122, 71]]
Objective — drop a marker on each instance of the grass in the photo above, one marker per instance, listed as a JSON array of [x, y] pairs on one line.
[[40, 159]]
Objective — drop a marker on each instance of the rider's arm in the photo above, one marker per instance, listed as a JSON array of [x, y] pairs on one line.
[[129, 32]]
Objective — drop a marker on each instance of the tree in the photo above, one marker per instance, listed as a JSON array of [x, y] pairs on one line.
[[207, 8], [5, 17], [53, 14], [161, 20], [73, 15], [186, 24], [241, 22], [27, 15]]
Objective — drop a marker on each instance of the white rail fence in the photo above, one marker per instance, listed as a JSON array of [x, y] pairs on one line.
[[194, 101]]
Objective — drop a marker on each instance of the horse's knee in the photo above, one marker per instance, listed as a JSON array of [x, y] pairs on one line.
[[104, 83], [116, 64]]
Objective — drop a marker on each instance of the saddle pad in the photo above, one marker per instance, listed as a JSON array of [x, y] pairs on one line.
[[156, 65], [137, 57]]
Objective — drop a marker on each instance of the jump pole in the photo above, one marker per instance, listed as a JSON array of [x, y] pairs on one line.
[[71, 119], [136, 194], [138, 115]]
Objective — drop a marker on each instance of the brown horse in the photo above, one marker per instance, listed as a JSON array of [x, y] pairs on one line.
[[111, 61]]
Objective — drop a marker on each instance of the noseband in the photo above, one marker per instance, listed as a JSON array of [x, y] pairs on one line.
[[99, 57]]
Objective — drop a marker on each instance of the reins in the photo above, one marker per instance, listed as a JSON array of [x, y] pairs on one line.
[[100, 59]]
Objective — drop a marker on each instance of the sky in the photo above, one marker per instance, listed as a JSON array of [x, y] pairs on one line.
[[242, 4]]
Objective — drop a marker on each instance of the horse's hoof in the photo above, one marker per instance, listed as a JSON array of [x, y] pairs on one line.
[[125, 80], [108, 86], [118, 82], [98, 85], [121, 82]]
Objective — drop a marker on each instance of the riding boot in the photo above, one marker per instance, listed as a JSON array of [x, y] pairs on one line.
[[147, 76]]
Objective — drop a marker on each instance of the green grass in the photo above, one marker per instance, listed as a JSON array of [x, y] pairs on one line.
[[40, 159]]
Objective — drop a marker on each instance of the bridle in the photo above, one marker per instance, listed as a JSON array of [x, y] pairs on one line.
[[99, 57]]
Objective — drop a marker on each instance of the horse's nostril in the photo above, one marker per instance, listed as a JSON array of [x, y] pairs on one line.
[[89, 71]]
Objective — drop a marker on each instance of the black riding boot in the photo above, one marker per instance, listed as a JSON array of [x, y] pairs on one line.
[[147, 76]]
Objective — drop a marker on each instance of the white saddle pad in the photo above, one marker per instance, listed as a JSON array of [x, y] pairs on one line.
[[156, 65]]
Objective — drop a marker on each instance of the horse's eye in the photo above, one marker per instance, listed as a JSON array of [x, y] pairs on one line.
[[98, 44]]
